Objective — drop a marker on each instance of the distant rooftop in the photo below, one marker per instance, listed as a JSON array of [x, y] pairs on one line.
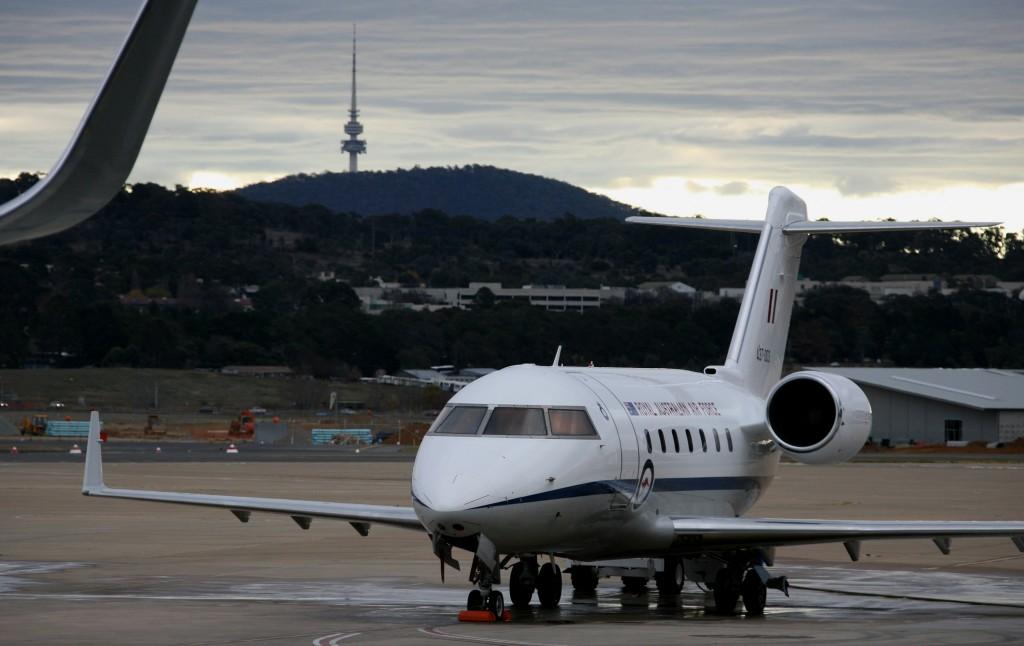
[[981, 388]]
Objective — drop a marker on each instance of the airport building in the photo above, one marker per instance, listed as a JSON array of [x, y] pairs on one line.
[[551, 297], [938, 405]]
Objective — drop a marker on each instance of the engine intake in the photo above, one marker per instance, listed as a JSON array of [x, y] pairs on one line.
[[818, 418]]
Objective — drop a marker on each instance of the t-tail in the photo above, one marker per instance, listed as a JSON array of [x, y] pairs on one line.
[[758, 344]]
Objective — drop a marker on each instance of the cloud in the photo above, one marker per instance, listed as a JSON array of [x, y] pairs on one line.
[[860, 185], [922, 94], [732, 188]]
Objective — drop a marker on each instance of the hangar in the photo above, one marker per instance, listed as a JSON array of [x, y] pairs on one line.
[[937, 405]]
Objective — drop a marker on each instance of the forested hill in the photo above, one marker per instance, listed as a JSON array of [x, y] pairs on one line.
[[177, 278], [484, 192]]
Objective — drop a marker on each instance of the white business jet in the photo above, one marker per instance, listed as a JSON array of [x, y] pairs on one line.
[[589, 464]]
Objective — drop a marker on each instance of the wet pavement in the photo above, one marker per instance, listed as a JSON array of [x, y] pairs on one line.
[[827, 605], [77, 570]]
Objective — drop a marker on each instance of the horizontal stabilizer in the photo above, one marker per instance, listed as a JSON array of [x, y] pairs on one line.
[[823, 226], [804, 226], [738, 226]]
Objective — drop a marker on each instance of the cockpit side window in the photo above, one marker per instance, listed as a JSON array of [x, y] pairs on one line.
[[461, 420], [506, 420], [570, 422]]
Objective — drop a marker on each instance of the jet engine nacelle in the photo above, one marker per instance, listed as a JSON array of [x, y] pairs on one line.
[[818, 418]]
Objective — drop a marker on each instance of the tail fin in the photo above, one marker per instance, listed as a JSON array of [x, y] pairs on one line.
[[759, 340]]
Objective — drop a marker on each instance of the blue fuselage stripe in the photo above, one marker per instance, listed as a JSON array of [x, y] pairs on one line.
[[627, 487]]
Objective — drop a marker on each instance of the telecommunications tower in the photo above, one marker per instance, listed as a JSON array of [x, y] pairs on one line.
[[354, 146]]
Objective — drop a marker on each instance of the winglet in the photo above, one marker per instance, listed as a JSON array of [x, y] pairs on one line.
[[558, 357], [103, 151], [92, 480]]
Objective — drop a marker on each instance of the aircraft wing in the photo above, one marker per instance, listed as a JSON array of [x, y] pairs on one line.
[[103, 151], [728, 533], [301, 511]]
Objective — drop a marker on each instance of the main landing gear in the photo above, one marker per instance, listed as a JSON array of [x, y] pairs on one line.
[[751, 584], [527, 577]]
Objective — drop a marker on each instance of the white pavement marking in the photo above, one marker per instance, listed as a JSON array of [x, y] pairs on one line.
[[440, 634], [335, 639]]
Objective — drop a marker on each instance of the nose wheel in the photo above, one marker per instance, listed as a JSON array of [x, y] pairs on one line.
[[493, 602]]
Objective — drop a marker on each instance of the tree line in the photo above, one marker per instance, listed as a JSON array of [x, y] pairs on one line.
[[62, 294]]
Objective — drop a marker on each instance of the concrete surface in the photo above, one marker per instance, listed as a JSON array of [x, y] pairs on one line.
[[94, 571]]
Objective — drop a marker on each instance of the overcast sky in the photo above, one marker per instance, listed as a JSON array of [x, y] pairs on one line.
[[909, 110]]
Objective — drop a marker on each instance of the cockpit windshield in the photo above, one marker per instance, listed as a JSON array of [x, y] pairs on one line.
[[570, 422], [462, 420], [515, 420]]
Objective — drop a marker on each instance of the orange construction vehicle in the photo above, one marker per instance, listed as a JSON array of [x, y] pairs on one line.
[[244, 425], [36, 425]]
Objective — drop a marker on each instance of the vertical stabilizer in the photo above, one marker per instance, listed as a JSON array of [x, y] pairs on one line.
[[759, 340]]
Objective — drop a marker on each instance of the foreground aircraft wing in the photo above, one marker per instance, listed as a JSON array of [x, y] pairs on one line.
[[723, 533], [302, 511], [103, 151]]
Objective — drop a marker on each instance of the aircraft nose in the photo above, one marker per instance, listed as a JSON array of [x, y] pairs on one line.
[[450, 489]]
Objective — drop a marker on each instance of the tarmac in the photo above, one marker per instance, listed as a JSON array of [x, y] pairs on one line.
[[98, 571]]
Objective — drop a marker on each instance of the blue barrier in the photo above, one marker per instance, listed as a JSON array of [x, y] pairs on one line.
[[61, 428], [327, 435]]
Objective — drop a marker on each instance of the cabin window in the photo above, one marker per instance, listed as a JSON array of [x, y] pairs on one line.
[[570, 422], [718, 442], [703, 440], [689, 440], [675, 440], [661, 438], [462, 420], [728, 439], [650, 447], [506, 420]]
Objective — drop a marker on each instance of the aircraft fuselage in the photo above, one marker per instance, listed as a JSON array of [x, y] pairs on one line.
[[666, 443]]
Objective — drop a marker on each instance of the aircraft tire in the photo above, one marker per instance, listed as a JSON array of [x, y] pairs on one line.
[[584, 579], [635, 584], [475, 600], [755, 594], [496, 603], [670, 581], [520, 592], [727, 593], [549, 585]]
